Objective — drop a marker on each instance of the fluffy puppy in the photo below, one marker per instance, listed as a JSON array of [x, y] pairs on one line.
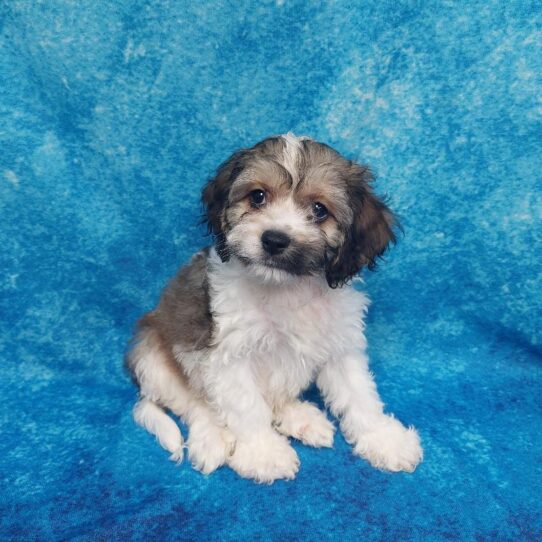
[[249, 324]]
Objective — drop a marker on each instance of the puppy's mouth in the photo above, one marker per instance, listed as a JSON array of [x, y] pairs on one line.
[[292, 262], [284, 264]]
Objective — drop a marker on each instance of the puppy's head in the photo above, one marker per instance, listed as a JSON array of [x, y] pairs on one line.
[[293, 206]]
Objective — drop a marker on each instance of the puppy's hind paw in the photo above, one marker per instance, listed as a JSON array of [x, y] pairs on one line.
[[177, 455], [305, 422], [209, 446]]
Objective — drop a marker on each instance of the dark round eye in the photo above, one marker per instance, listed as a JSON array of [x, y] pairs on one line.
[[320, 211], [257, 197]]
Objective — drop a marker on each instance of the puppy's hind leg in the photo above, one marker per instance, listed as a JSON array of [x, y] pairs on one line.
[[209, 443], [161, 384], [153, 418]]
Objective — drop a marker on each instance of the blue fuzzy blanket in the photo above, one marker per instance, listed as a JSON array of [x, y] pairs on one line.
[[113, 114]]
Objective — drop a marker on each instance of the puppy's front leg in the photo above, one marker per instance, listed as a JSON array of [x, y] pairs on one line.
[[260, 452], [350, 392]]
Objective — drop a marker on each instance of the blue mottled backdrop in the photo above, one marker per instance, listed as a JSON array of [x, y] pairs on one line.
[[113, 114]]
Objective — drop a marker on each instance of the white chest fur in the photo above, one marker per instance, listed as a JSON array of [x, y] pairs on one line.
[[286, 331]]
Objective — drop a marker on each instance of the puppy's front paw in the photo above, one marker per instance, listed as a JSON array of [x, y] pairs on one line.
[[305, 422], [390, 446], [265, 459]]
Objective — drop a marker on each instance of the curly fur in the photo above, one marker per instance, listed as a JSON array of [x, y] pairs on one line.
[[245, 327]]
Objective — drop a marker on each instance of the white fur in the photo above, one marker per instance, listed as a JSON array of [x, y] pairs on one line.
[[272, 338], [305, 422], [274, 333], [265, 457], [291, 153], [150, 416], [161, 384], [350, 391]]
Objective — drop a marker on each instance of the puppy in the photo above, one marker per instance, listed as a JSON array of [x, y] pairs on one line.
[[249, 324]]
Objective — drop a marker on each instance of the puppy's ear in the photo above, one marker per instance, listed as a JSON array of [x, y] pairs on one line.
[[215, 199], [370, 233]]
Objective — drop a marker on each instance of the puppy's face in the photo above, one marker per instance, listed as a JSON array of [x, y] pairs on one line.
[[293, 206]]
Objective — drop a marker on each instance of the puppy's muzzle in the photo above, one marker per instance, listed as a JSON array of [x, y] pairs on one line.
[[275, 242]]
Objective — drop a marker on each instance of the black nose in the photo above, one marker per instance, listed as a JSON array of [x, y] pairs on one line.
[[274, 242]]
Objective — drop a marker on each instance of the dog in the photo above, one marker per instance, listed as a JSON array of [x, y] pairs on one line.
[[253, 321]]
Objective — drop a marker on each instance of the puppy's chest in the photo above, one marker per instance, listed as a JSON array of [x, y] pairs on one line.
[[306, 328]]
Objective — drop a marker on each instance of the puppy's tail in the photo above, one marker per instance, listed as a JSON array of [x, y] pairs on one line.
[[155, 420]]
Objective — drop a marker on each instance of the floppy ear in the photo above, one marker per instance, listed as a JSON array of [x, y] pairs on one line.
[[215, 199], [370, 233]]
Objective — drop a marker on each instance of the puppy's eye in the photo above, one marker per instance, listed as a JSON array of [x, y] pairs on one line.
[[320, 212], [257, 198]]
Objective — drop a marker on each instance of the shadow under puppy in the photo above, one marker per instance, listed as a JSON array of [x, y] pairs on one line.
[[249, 324]]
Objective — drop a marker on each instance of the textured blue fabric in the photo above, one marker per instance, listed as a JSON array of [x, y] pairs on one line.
[[113, 114]]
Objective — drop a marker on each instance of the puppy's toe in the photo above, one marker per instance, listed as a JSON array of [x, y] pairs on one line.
[[305, 422]]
